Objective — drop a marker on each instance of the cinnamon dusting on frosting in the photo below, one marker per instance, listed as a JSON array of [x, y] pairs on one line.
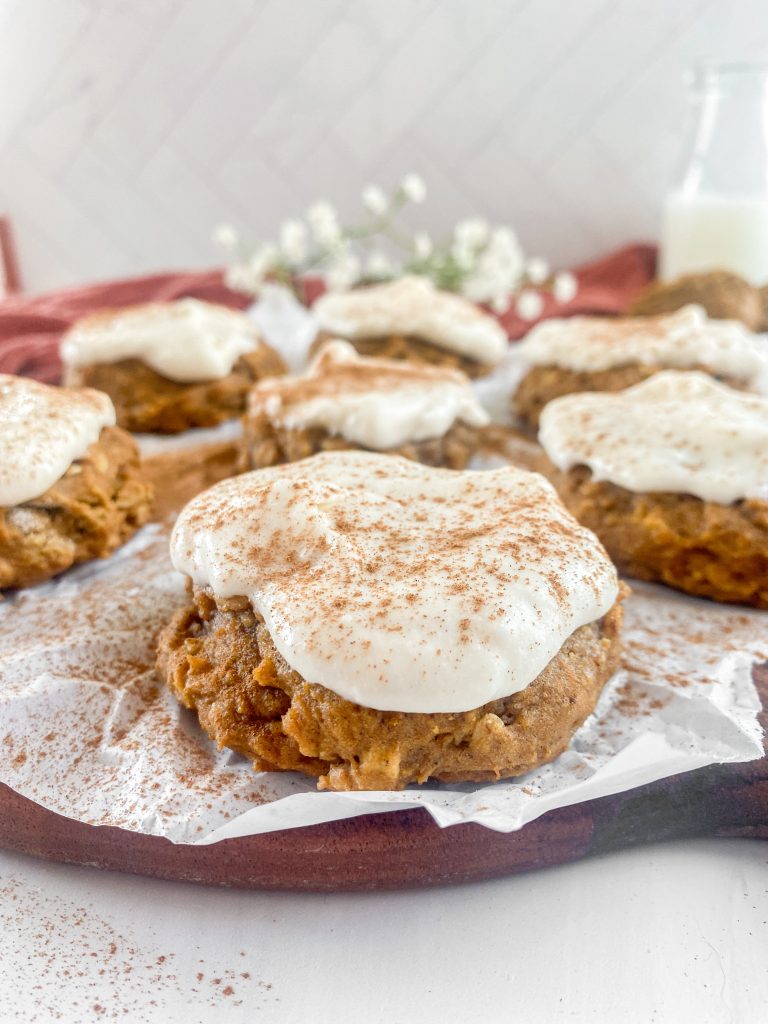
[[679, 432], [682, 340], [377, 403], [384, 580], [43, 430]]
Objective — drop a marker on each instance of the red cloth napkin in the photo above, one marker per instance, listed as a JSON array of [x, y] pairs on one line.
[[31, 327]]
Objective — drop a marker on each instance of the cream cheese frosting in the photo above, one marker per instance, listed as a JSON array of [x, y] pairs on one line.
[[185, 341], [376, 403], [413, 306], [396, 585], [679, 432], [43, 430], [681, 340]]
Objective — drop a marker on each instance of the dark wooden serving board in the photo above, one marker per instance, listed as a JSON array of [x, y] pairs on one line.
[[405, 848]]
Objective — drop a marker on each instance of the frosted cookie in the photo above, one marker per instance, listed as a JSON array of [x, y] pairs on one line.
[[70, 485], [586, 353], [672, 475], [169, 366], [427, 413], [374, 622], [411, 319], [724, 296]]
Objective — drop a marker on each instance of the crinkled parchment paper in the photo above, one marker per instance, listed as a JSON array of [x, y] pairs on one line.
[[88, 730]]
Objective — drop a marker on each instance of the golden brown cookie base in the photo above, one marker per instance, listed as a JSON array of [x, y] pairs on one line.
[[145, 401], [98, 504], [177, 476], [409, 349], [710, 550], [513, 446], [542, 384], [725, 296], [222, 663], [266, 444], [763, 293]]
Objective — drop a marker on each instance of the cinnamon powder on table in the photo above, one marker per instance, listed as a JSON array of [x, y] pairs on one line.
[[79, 966]]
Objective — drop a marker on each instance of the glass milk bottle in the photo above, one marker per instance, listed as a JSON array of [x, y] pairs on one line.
[[716, 215]]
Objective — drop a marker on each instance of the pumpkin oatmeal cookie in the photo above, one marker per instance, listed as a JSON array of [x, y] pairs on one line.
[[374, 623], [610, 354], [344, 401], [169, 367], [672, 476], [410, 319], [71, 488], [724, 296], [222, 663], [408, 349]]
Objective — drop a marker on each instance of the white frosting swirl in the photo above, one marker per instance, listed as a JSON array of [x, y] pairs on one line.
[[396, 585], [43, 430], [681, 340], [413, 306], [376, 403], [185, 341], [680, 432]]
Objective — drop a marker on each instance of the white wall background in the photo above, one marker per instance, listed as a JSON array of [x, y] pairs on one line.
[[128, 128]]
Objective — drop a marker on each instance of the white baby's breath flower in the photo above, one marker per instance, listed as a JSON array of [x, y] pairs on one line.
[[483, 284], [469, 238], [321, 211], [504, 238], [375, 200], [263, 259], [379, 264], [324, 223], [471, 232], [486, 264], [241, 278], [565, 286], [327, 235], [537, 270], [463, 254], [413, 188], [506, 252], [493, 274], [529, 304], [506, 246], [343, 270], [293, 240], [225, 236], [422, 245]]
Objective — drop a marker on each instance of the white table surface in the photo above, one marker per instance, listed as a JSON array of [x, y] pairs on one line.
[[669, 933]]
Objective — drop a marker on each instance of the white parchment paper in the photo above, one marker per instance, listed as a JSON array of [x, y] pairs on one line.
[[88, 730]]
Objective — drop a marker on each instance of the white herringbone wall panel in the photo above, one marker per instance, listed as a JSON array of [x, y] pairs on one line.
[[129, 128]]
